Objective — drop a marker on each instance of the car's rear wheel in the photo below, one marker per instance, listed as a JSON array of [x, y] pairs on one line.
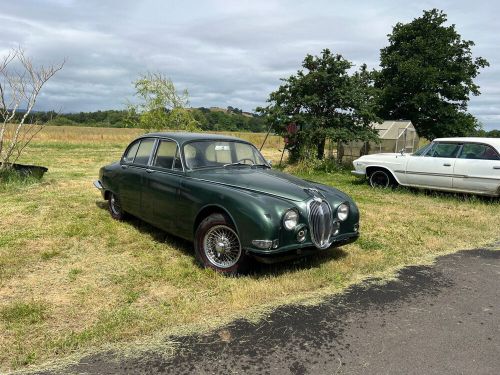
[[217, 245], [380, 178], [115, 207]]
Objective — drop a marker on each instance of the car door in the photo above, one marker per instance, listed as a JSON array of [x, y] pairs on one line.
[[435, 167], [133, 166], [161, 187], [477, 169]]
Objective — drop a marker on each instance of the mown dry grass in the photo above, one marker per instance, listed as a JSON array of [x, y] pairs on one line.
[[71, 278]]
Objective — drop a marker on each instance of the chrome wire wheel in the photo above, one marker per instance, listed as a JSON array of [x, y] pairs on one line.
[[222, 246], [115, 206]]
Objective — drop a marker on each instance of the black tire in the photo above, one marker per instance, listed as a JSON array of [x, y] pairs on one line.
[[115, 207], [216, 233], [381, 178]]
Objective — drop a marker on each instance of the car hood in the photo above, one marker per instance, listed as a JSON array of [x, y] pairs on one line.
[[266, 181]]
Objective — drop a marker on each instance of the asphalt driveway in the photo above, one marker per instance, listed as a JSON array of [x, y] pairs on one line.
[[439, 319]]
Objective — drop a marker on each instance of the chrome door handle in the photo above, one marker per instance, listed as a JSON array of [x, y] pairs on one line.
[[149, 170], [124, 166], [446, 165], [496, 167]]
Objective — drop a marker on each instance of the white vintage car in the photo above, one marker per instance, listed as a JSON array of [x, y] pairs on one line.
[[469, 165]]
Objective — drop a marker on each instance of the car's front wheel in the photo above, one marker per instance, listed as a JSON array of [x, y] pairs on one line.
[[218, 246], [115, 207], [380, 178]]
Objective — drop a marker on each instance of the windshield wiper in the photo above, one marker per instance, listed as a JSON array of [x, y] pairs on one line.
[[237, 164], [261, 165]]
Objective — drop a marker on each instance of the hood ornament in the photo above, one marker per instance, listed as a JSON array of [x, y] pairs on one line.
[[315, 194]]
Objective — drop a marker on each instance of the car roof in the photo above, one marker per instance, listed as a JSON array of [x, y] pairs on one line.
[[183, 137], [495, 142]]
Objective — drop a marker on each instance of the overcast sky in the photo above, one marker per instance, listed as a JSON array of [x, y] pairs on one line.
[[224, 52]]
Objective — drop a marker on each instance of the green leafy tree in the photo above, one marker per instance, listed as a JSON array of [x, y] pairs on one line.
[[325, 102], [427, 77], [160, 105]]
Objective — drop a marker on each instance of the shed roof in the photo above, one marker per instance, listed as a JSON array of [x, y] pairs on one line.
[[392, 129]]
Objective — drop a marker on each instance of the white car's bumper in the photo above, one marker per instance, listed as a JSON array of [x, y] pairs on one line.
[[359, 174]]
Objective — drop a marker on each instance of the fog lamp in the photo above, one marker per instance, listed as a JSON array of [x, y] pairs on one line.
[[335, 228], [301, 235]]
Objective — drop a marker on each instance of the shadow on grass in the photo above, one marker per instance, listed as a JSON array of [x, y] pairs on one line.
[[461, 197], [256, 269]]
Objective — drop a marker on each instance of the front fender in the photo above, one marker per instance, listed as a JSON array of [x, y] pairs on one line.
[[255, 216]]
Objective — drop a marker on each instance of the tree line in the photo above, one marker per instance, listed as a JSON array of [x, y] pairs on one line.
[[208, 119]]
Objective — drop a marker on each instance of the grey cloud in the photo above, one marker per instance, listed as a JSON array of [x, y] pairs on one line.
[[225, 53]]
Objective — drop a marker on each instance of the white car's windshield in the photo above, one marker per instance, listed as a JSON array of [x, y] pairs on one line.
[[210, 154], [421, 151]]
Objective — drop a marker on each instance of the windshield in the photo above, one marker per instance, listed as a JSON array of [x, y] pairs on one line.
[[210, 154], [421, 151]]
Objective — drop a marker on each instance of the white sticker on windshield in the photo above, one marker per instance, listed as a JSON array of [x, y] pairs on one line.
[[221, 148]]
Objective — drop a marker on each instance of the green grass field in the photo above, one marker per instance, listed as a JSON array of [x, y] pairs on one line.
[[72, 279]]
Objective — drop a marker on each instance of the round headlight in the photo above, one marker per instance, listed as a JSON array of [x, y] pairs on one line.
[[291, 219], [343, 211]]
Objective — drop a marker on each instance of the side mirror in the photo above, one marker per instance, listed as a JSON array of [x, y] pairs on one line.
[[402, 151], [269, 162]]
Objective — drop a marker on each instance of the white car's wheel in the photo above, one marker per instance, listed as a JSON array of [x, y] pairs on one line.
[[380, 178]]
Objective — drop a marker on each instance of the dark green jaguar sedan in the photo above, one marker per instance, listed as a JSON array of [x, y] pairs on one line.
[[220, 193]]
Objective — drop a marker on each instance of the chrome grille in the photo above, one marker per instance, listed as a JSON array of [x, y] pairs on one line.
[[320, 222]]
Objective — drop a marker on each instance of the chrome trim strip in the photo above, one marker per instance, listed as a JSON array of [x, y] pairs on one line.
[[435, 174], [452, 175]]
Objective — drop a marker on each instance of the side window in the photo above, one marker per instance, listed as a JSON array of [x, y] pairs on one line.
[[130, 155], [478, 151], [144, 151], [167, 156], [445, 150]]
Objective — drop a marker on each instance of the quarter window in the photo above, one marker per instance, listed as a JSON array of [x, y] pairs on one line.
[[144, 151], [478, 151]]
